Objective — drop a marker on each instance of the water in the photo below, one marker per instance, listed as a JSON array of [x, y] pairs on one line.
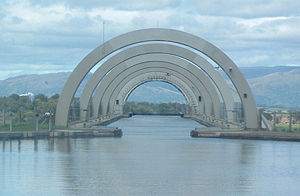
[[155, 156]]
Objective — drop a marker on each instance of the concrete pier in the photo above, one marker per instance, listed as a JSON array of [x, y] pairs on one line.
[[244, 134], [102, 122], [73, 133]]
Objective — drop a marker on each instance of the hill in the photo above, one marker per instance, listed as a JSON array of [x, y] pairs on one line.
[[277, 89], [47, 84], [156, 92], [272, 86]]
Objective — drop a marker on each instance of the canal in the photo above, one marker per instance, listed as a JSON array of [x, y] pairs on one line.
[[155, 156]]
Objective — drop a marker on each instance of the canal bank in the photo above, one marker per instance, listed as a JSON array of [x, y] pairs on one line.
[[72, 133], [243, 134]]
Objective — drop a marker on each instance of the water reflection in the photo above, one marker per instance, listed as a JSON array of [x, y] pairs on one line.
[[246, 153], [245, 172], [3, 145], [63, 145], [152, 158], [19, 145], [51, 144], [36, 143]]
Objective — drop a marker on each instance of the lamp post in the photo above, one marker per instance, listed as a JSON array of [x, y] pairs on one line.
[[36, 122], [49, 116], [86, 117]]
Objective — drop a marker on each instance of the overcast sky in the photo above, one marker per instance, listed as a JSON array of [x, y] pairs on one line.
[[41, 36]]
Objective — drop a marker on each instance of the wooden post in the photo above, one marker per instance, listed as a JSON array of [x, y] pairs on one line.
[[290, 122], [3, 117], [10, 124]]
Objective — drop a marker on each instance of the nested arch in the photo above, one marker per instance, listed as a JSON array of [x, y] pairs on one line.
[[159, 48], [126, 91], [141, 36], [176, 66], [123, 73], [114, 84], [158, 75]]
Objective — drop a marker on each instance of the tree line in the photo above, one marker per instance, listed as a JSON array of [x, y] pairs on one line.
[[24, 109], [154, 108], [269, 116]]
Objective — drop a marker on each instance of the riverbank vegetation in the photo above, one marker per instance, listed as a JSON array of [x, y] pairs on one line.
[[24, 110], [153, 108], [282, 120]]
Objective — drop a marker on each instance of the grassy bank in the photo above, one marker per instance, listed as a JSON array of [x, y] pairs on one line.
[[285, 127], [22, 127]]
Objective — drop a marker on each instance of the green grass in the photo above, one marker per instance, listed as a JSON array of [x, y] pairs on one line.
[[28, 127], [22, 127], [285, 127]]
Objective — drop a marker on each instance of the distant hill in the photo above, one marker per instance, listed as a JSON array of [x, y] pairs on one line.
[[272, 86], [48, 84], [256, 72], [279, 88], [156, 92]]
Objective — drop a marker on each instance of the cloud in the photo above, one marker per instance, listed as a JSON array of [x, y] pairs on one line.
[[116, 4], [253, 59], [24, 69], [60, 33], [246, 8]]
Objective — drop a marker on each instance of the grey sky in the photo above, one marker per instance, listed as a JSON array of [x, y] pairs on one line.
[[40, 36]]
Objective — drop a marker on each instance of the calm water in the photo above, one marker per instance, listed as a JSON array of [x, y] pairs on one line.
[[156, 156]]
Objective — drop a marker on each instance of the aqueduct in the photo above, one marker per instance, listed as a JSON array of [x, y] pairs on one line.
[[181, 59]]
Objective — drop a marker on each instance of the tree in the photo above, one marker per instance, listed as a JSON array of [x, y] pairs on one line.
[[3, 105], [24, 109], [13, 103], [297, 115], [25, 102], [14, 97], [41, 97]]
